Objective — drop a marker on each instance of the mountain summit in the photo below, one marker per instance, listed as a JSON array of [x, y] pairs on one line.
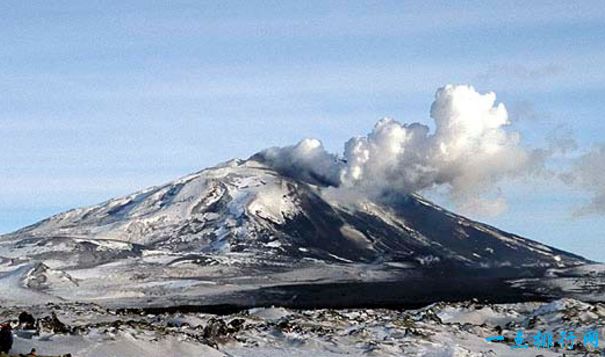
[[242, 233]]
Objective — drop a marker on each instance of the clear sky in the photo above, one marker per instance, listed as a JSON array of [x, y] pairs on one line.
[[101, 98]]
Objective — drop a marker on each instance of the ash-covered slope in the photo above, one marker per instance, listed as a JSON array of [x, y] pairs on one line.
[[242, 226]]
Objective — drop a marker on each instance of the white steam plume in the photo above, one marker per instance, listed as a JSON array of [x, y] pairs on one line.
[[307, 161], [587, 174], [468, 153]]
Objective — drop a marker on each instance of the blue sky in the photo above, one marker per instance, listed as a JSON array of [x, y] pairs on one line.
[[101, 98]]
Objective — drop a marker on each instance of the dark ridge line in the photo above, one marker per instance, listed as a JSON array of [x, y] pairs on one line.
[[229, 309]]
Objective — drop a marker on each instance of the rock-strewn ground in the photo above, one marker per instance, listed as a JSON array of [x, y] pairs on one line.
[[438, 330]]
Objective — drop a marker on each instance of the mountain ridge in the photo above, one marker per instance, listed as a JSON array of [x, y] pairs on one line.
[[242, 228], [246, 200]]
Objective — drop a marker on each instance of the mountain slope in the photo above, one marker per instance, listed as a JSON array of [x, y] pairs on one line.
[[247, 207], [242, 226]]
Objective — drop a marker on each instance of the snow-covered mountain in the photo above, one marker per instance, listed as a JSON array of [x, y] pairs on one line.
[[224, 234]]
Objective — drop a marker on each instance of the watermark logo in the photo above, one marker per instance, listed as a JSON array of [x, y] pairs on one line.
[[566, 339]]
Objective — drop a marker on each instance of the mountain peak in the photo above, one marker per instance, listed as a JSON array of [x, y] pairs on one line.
[[243, 214], [246, 206]]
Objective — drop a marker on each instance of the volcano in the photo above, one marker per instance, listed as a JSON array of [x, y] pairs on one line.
[[242, 234]]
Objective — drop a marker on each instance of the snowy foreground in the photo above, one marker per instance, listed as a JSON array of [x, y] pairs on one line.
[[441, 329]]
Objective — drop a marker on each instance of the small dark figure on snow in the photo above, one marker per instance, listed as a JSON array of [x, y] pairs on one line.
[[6, 338]]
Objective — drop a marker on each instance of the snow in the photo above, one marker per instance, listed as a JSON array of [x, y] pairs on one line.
[[121, 345], [340, 258], [270, 314], [273, 204], [274, 244], [456, 329], [14, 291]]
